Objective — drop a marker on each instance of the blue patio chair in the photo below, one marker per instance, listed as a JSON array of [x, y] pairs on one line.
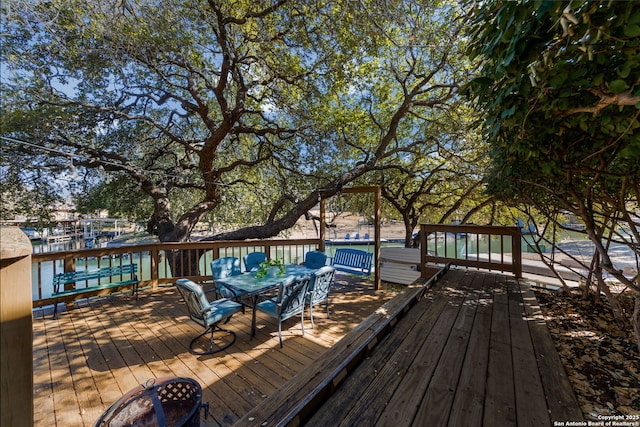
[[225, 267], [315, 259], [252, 261], [319, 288], [289, 302], [208, 315]]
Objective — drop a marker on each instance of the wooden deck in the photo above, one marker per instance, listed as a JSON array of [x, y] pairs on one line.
[[474, 351], [91, 355]]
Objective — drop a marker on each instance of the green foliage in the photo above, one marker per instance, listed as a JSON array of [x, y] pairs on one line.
[[218, 110], [25, 194], [559, 86], [440, 181], [266, 266], [118, 195]]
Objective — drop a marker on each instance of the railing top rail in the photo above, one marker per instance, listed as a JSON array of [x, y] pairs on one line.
[[241, 243], [144, 247], [514, 234], [472, 228]]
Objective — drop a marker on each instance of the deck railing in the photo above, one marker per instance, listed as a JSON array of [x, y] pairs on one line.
[[485, 247], [155, 263]]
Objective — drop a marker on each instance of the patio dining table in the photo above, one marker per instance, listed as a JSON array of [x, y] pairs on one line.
[[248, 285]]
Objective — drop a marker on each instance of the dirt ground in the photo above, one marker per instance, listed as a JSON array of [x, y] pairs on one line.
[[601, 359]]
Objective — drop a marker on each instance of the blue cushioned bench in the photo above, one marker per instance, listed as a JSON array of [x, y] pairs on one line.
[[352, 261], [62, 279]]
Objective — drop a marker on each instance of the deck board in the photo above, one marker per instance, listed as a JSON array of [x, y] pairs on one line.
[[370, 387], [500, 398], [43, 392], [98, 350], [471, 353], [470, 394], [561, 399], [436, 404], [400, 409], [531, 407]]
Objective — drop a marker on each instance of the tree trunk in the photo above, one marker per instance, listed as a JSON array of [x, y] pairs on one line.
[[286, 221], [614, 304], [408, 235], [184, 262]]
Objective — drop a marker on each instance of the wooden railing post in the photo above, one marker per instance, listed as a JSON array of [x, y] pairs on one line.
[[423, 251], [378, 205], [323, 214], [16, 329], [69, 265], [516, 249], [154, 260]]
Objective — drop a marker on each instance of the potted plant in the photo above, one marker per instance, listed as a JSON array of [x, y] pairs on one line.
[[271, 268]]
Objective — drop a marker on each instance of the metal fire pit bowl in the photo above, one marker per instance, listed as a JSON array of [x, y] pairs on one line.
[[162, 402]]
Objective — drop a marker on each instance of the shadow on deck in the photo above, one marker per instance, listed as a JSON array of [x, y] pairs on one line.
[[92, 354], [473, 351]]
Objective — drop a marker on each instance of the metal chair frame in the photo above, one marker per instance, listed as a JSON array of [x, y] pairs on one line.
[[319, 289], [289, 302], [207, 314]]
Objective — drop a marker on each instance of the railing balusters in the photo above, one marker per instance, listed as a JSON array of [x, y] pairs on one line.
[[452, 231], [155, 266]]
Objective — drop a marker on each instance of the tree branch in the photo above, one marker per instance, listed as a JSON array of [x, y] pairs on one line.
[[621, 99]]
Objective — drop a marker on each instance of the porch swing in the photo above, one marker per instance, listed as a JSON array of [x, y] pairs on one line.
[[374, 257]]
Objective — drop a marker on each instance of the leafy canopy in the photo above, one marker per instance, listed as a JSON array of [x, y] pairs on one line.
[[560, 87], [273, 103]]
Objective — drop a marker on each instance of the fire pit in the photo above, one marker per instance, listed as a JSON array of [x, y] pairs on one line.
[[163, 402]]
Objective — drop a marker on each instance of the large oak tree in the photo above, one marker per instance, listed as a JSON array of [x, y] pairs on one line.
[[270, 103]]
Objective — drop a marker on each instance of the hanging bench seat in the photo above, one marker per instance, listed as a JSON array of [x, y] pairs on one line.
[[352, 261]]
